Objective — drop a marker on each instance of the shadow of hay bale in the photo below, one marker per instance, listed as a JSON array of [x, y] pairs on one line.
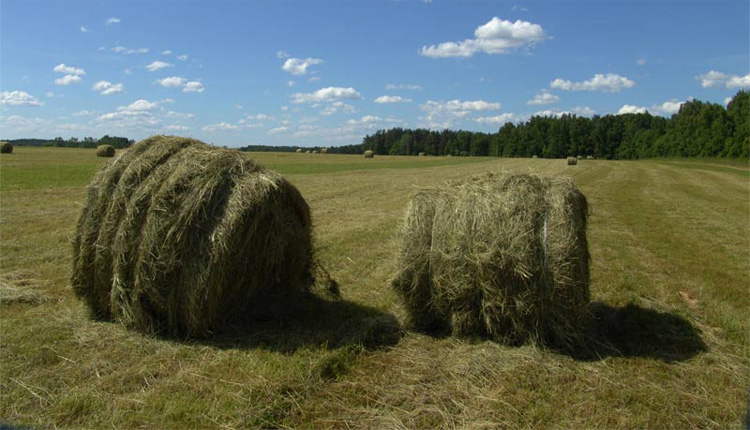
[[315, 322], [633, 331]]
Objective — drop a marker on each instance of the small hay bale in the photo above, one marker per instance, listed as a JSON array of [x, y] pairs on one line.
[[180, 238], [324, 151], [572, 161], [589, 157], [369, 154], [307, 152], [6, 148], [535, 156], [105, 151], [580, 157], [422, 154], [299, 150], [499, 256]]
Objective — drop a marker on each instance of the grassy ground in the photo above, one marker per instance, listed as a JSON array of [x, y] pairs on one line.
[[669, 240]]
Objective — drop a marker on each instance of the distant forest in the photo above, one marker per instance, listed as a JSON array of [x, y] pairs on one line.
[[699, 129]]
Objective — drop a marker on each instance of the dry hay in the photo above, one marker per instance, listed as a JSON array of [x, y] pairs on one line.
[[21, 286], [6, 148], [299, 150], [503, 256], [369, 154], [572, 161], [422, 154], [105, 151], [177, 237], [307, 152], [580, 157], [589, 157], [324, 151], [535, 156]]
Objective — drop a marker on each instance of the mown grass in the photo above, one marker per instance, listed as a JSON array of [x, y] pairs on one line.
[[669, 347]]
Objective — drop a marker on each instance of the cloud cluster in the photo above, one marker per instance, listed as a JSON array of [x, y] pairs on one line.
[[106, 88], [718, 79], [495, 37], [329, 94], [440, 115], [409, 87], [18, 98], [179, 82], [543, 98], [299, 66], [72, 74], [391, 99], [609, 83], [157, 65]]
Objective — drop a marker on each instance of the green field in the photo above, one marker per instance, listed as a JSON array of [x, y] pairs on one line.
[[670, 248]]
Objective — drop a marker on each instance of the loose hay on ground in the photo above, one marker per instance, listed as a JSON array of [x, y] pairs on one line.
[[500, 256], [178, 237]]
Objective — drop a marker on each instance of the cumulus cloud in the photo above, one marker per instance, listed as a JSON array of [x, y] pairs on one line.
[[609, 83], [409, 87], [68, 79], [299, 66], [69, 70], [336, 107], [106, 88], [578, 110], [495, 37], [498, 119], [719, 79], [84, 29], [177, 82], [18, 98], [193, 87], [626, 109], [173, 114], [543, 98], [177, 127], [182, 57], [113, 20], [329, 94], [669, 107], [282, 54], [139, 105], [439, 114], [391, 99], [277, 130], [157, 65], [172, 81], [222, 126], [166, 52], [128, 51]]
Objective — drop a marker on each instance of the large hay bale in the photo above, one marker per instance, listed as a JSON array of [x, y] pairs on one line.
[[324, 151], [180, 238], [105, 151], [6, 148], [499, 256], [299, 150], [572, 161], [369, 154]]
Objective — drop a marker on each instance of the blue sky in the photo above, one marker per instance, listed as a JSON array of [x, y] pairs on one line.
[[327, 73]]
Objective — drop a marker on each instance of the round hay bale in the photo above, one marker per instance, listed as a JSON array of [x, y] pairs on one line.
[[535, 156], [498, 256], [572, 161], [369, 154], [589, 157], [105, 151], [6, 148], [299, 150], [324, 151], [180, 238], [422, 154], [307, 152], [580, 157]]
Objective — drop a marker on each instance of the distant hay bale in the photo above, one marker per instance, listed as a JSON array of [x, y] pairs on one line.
[[572, 161], [580, 157], [105, 151], [180, 238], [422, 154], [589, 157], [6, 148], [369, 154], [314, 151], [500, 256], [324, 151], [535, 156], [299, 150], [307, 152]]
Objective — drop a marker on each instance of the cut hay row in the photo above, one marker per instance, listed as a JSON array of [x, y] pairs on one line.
[[6, 148], [498, 256], [178, 237], [105, 151]]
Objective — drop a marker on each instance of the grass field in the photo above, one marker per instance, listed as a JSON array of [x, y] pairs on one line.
[[670, 247]]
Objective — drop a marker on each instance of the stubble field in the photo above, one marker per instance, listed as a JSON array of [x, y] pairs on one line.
[[670, 271]]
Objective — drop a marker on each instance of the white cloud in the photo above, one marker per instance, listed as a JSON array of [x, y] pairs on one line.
[[157, 65], [282, 54], [440, 115], [544, 98], [84, 29], [641, 62], [82, 113], [328, 94], [106, 88], [222, 126], [68, 70], [277, 130], [495, 37], [718, 79], [193, 87], [608, 83], [338, 107], [18, 98], [139, 105], [112, 20], [298, 66], [166, 52], [391, 99], [727, 100], [182, 57], [68, 79], [260, 117], [314, 79], [626, 109], [410, 87], [173, 114], [669, 107], [172, 81], [49, 94], [177, 127], [580, 111], [290, 84], [128, 51], [498, 119]]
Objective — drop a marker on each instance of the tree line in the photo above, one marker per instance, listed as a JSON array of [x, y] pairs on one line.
[[74, 142], [699, 129]]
